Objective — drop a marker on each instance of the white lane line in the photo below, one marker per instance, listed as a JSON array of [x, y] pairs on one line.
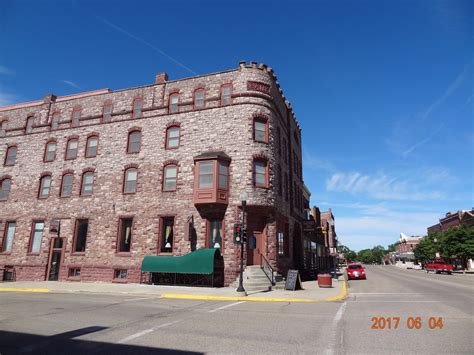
[[146, 331], [137, 299], [339, 313], [333, 335], [226, 306]]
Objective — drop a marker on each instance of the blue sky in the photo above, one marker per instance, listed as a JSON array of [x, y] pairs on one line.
[[383, 90]]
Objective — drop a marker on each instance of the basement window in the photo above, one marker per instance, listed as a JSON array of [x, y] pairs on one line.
[[74, 272], [120, 274]]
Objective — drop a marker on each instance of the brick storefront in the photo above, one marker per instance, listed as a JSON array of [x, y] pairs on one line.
[[238, 117]]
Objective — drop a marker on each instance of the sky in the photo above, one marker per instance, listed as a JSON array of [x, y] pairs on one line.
[[383, 90]]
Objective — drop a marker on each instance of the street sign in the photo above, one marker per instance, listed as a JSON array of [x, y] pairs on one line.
[[293, 281]]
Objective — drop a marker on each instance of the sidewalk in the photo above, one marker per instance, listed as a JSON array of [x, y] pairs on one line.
[[310, 293]]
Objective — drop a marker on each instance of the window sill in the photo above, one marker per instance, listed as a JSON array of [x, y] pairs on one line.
[[171, 148], [129, 193], [133, 152], [74, 278], [70, 158], [123, 254], [165, 253], [168, 190], [92, 156], [78, 253], [65, 196], [33, 254]]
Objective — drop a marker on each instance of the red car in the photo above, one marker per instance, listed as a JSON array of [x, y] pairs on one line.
[[356, 271], [438, 266]]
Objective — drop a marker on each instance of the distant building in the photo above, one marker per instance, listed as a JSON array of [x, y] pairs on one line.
[[453, 219]]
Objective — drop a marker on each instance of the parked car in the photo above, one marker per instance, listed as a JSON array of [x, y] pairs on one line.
[[438, 266], [356, 271]]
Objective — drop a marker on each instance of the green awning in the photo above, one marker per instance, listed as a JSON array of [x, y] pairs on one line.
[[200, 262]]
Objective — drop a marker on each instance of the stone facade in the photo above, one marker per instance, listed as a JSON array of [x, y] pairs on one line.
[[220, 126]]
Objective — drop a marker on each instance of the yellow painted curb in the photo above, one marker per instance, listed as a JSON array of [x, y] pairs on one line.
[[343, 294], [12, 289]]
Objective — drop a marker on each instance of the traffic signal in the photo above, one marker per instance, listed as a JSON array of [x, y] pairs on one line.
[[237, 233], [244, 234]]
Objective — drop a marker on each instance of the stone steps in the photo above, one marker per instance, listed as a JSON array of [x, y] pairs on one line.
[[254, 279]]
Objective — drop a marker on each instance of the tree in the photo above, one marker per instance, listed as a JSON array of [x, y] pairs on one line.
[[457, 242], [365, 256], [349, 255], [392, 247], [426, 249]]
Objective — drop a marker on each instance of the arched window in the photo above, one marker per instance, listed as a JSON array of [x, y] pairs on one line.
[[260, 130], [226, 92], [174, 103], [5, 186], [50, 151], [71, 148], [170, 175], [172, 137], [30, 121], [107, 112], [55, 120], [10, 156], [130, 181], [137, 108], [66, 185], [199, 96], [45, 186], [91, 146], [87, 183], [134, 141], [75, 117]]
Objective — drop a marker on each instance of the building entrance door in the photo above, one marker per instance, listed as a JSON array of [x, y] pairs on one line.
[[56, 252], [254, 255]]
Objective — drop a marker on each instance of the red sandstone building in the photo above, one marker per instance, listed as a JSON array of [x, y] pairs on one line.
[[129, 173]]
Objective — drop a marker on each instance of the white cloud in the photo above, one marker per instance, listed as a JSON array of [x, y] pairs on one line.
[[6, 98], [370, 229], [71, 83], [6, 71], [381, 186]]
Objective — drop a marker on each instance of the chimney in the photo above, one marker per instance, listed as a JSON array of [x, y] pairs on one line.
[[50, 98], [161, 78]]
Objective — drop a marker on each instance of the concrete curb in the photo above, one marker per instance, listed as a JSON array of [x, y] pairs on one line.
[[343, 294]]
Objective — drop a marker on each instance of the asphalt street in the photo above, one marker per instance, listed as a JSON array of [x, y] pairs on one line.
[[86, 323]]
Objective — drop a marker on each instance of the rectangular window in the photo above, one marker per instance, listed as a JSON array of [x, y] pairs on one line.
[[82, 225], [206, 174], [125, 235], [66, 187], [35, 244], [199, 99], [174, 103], [107, 113], [134, 142], [166, 243], [260, 129], [171, 173], [11, 156], [29, 124], [55, 121], [223, 176], [259, 173], [74, 272], [137, 108], [130, 181], [120, 274], [8, 237], [71, 151], [172, 137], [281, 243], [214, 234], [87, 183], [226, 91], [50, 151], [91, 148], [45, 185], [76, 115]]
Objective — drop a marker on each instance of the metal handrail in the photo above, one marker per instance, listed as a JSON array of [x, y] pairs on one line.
[[267, 269]]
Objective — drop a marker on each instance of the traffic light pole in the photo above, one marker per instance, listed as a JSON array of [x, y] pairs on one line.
[[241, 278]]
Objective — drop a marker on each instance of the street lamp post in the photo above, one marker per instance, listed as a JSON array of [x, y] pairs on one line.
[[243, 200]]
